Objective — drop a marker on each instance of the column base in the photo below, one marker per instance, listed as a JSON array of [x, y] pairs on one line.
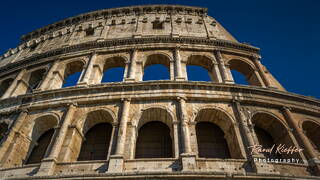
[[180, 79], [188, 162], [262, 167], [129, 80], [116, 164], [47, 167], [81, 84], [228, 82]]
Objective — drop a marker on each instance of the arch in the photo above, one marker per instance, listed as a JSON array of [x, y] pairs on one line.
[[5, 84], [211, 141], [311, 130], [72, 73], [246, 69], [224, 122], [97, 142], [159, 65], [97, 129], [205, 65], [155, 113], [271, 130], [154, 141], [36, 78], [116, 66], [97, 116], [39, 151], [41, 135]]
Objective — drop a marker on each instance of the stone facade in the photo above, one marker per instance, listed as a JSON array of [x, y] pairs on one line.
[[33, 100]]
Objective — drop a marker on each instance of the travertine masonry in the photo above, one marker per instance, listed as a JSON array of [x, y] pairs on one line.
[[33, 102]]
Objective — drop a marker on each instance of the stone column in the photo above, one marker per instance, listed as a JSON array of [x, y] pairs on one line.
[[216, 74], [303, 140], [44, 85], [247, 133], [226, 76], [179, 76], [171, 70], [85, 80], [112, 139], [116, 161], [132, 71], [14, 84], [176, 139], [260, 70], [48, 164], [188, 158]]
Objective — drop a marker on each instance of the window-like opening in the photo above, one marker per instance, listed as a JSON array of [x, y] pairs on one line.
[[244, 69], [200, 68], [239, 78], [266, 141], [113, 75], [211, 141], [156, 72], [197, 73], [3, 130], [89, 31], [156, 67], [157, 25], [72, 73], [38, 152], [113, 70], [270, 131], [96, 144], [4, 86], [154, 141], [36, 78], [311, 130]]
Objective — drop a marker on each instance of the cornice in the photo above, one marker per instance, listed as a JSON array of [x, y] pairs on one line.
[[130, 41], [115, 12], [145, 91]]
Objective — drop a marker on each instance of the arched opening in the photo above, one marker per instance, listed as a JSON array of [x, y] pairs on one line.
[[239, 78], [41, 136], [211, 141], [312, 131], [72, 73], [35, 79], [97, 129], [271, 131], [243, 73], [5, 84], [200, 68], [154, 141], [155, 134], [3, 130], [96, 144], [266, 141], [113, 70], [38, 152], [216, 135], [156, 67]]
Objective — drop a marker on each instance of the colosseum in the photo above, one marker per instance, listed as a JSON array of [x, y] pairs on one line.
[[60, 118]]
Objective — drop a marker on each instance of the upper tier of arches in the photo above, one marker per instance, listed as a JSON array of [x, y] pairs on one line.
[[136, 66]]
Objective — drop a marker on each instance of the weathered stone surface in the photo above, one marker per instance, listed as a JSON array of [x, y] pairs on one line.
[[134, 38]]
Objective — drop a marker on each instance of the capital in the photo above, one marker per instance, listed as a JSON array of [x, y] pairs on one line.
[[181, 98], [285, 108], [126, 99]]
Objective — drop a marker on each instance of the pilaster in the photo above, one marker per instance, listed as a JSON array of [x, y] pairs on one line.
[[48, 164]]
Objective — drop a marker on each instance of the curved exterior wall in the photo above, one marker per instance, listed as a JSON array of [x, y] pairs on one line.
[[131, 38]]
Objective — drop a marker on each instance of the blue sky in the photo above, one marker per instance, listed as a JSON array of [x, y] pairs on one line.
[[287, 31]]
